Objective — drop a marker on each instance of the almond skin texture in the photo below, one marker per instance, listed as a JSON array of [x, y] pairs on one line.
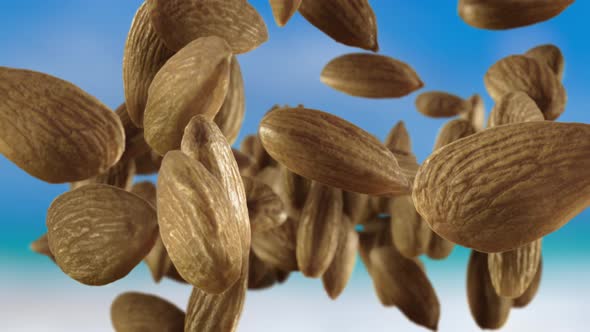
[[194, 81], [370, 76], [509, 14], [55, 131], [99, 233], [196, 224], [319, 230], [526, 298], [178, 22], [515, 107], [550, 55], [536, 79], [513, 271], [495, 191], [340, 270], [350, 22], [145, 53], [489, 310], [137, 312], [452, 131], [330, 150], [265, 208], [232, 112], [283, 10], [437, 104]]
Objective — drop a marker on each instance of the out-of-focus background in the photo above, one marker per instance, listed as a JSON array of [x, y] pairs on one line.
[[83, 41]]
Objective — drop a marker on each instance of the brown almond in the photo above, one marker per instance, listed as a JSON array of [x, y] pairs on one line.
[[135, 312], [536, 79], [477, 113], [55, 131], [178, 22], [261, 275], [148, 163], [99, 233], [439, 248], [244, 161], [398, 140], [411, 235], [197, 225], [296, 188], [135, 144], [530, 293], [437, 104], [232, 112], [370, 76], [145, 190], [350, 22], [283, 10], [41, 246], [452, 131], [513, 271], [355, 206], [515, 107], [489, 310], [277, 246], [550, 55], [340, 270], [509, 14], [319, 230], [265, 208], [120, 175], [330, 150], [145, 53], [194, 81], [172, 273], [495, 191]]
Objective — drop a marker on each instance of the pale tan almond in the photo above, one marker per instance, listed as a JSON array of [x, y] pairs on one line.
[[515, 107], [439, 248], [550, 55], [340, 270], [319, 229], [232, 112], [148, 163], [194, 81], [489, 310], [350, 22], [197, 225], [145, 53], [495, 191], [536, 79], [330, 150], [508, 14], [411, 235], [530, 293], [477, 114], [99, 233], [41, 246], [437, 104], [370, 76], [277, 246], [513, 271], [138, 312], [265, 207], [283, 10], [120, 175], [178, 22], [135, 144], [53, 130]]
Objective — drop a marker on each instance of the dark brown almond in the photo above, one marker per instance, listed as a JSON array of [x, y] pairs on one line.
[[340, 270], [437, 104], [99, 233], [261, 275], [135, 312], [193, 82], [265, 208], [411, 235], [232, 112], [148, 163], [277, 246], [513, 271], [41, 246], [350, 22], [370, 76], [515, 107], [330, 150], [283, 10], [526, 298], [550, 55], [53, 130], [178, 22]]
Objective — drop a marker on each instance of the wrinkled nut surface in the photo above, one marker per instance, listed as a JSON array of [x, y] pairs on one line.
[[193, 82], [196, 224], [489, 310], [232, 112], [530, 293], [145, 53], [99, 233], [411, 235], [513, 271], [508, 14], [265, 208], [536, 79], [437, 104], [55, 131], [340, 270], [283, 10], [350, 22], [135, 312], [330, 150], [178, 22], [550, 55], [514, 107], [494, 191], [370, 76]]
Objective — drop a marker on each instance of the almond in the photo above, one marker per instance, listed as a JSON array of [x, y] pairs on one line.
[[340, 270], [41, 246], [513, 271], [277, 246], [530, 293], [437, 104], [550, 55], [120, 175], [232, 112], [265, 208], [438, 247], [148, 163], [411, 235], [135, 144], [515, 107], [132, 312], [477, 113], [283, 10]]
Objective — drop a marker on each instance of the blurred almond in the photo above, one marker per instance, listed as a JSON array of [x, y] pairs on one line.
[[194, 81], [53, 130], [41, 246], [452, 131], [515, 107], [438, 247], [513, 271], [296, 188], [477, 112], [340, 270], [283, 10], [550, 55], [277, 246], [508, 14], [536, 79], [178, 22], [437, 104], [120, 175], [148, 163], [232, 112], [244, 161], [145, 53], [411, 235], [330, 150], [495, 190], [138, 312], [530, 293], [99, 233], [350, 22], [260, 274], [355, 206], [265, 208], [370, 76], [398, 140]]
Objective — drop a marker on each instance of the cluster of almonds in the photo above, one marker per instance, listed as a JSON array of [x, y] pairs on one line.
[[311, 189]]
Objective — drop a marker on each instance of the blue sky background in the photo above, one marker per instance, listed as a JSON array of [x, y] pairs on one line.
[[83, 41]]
